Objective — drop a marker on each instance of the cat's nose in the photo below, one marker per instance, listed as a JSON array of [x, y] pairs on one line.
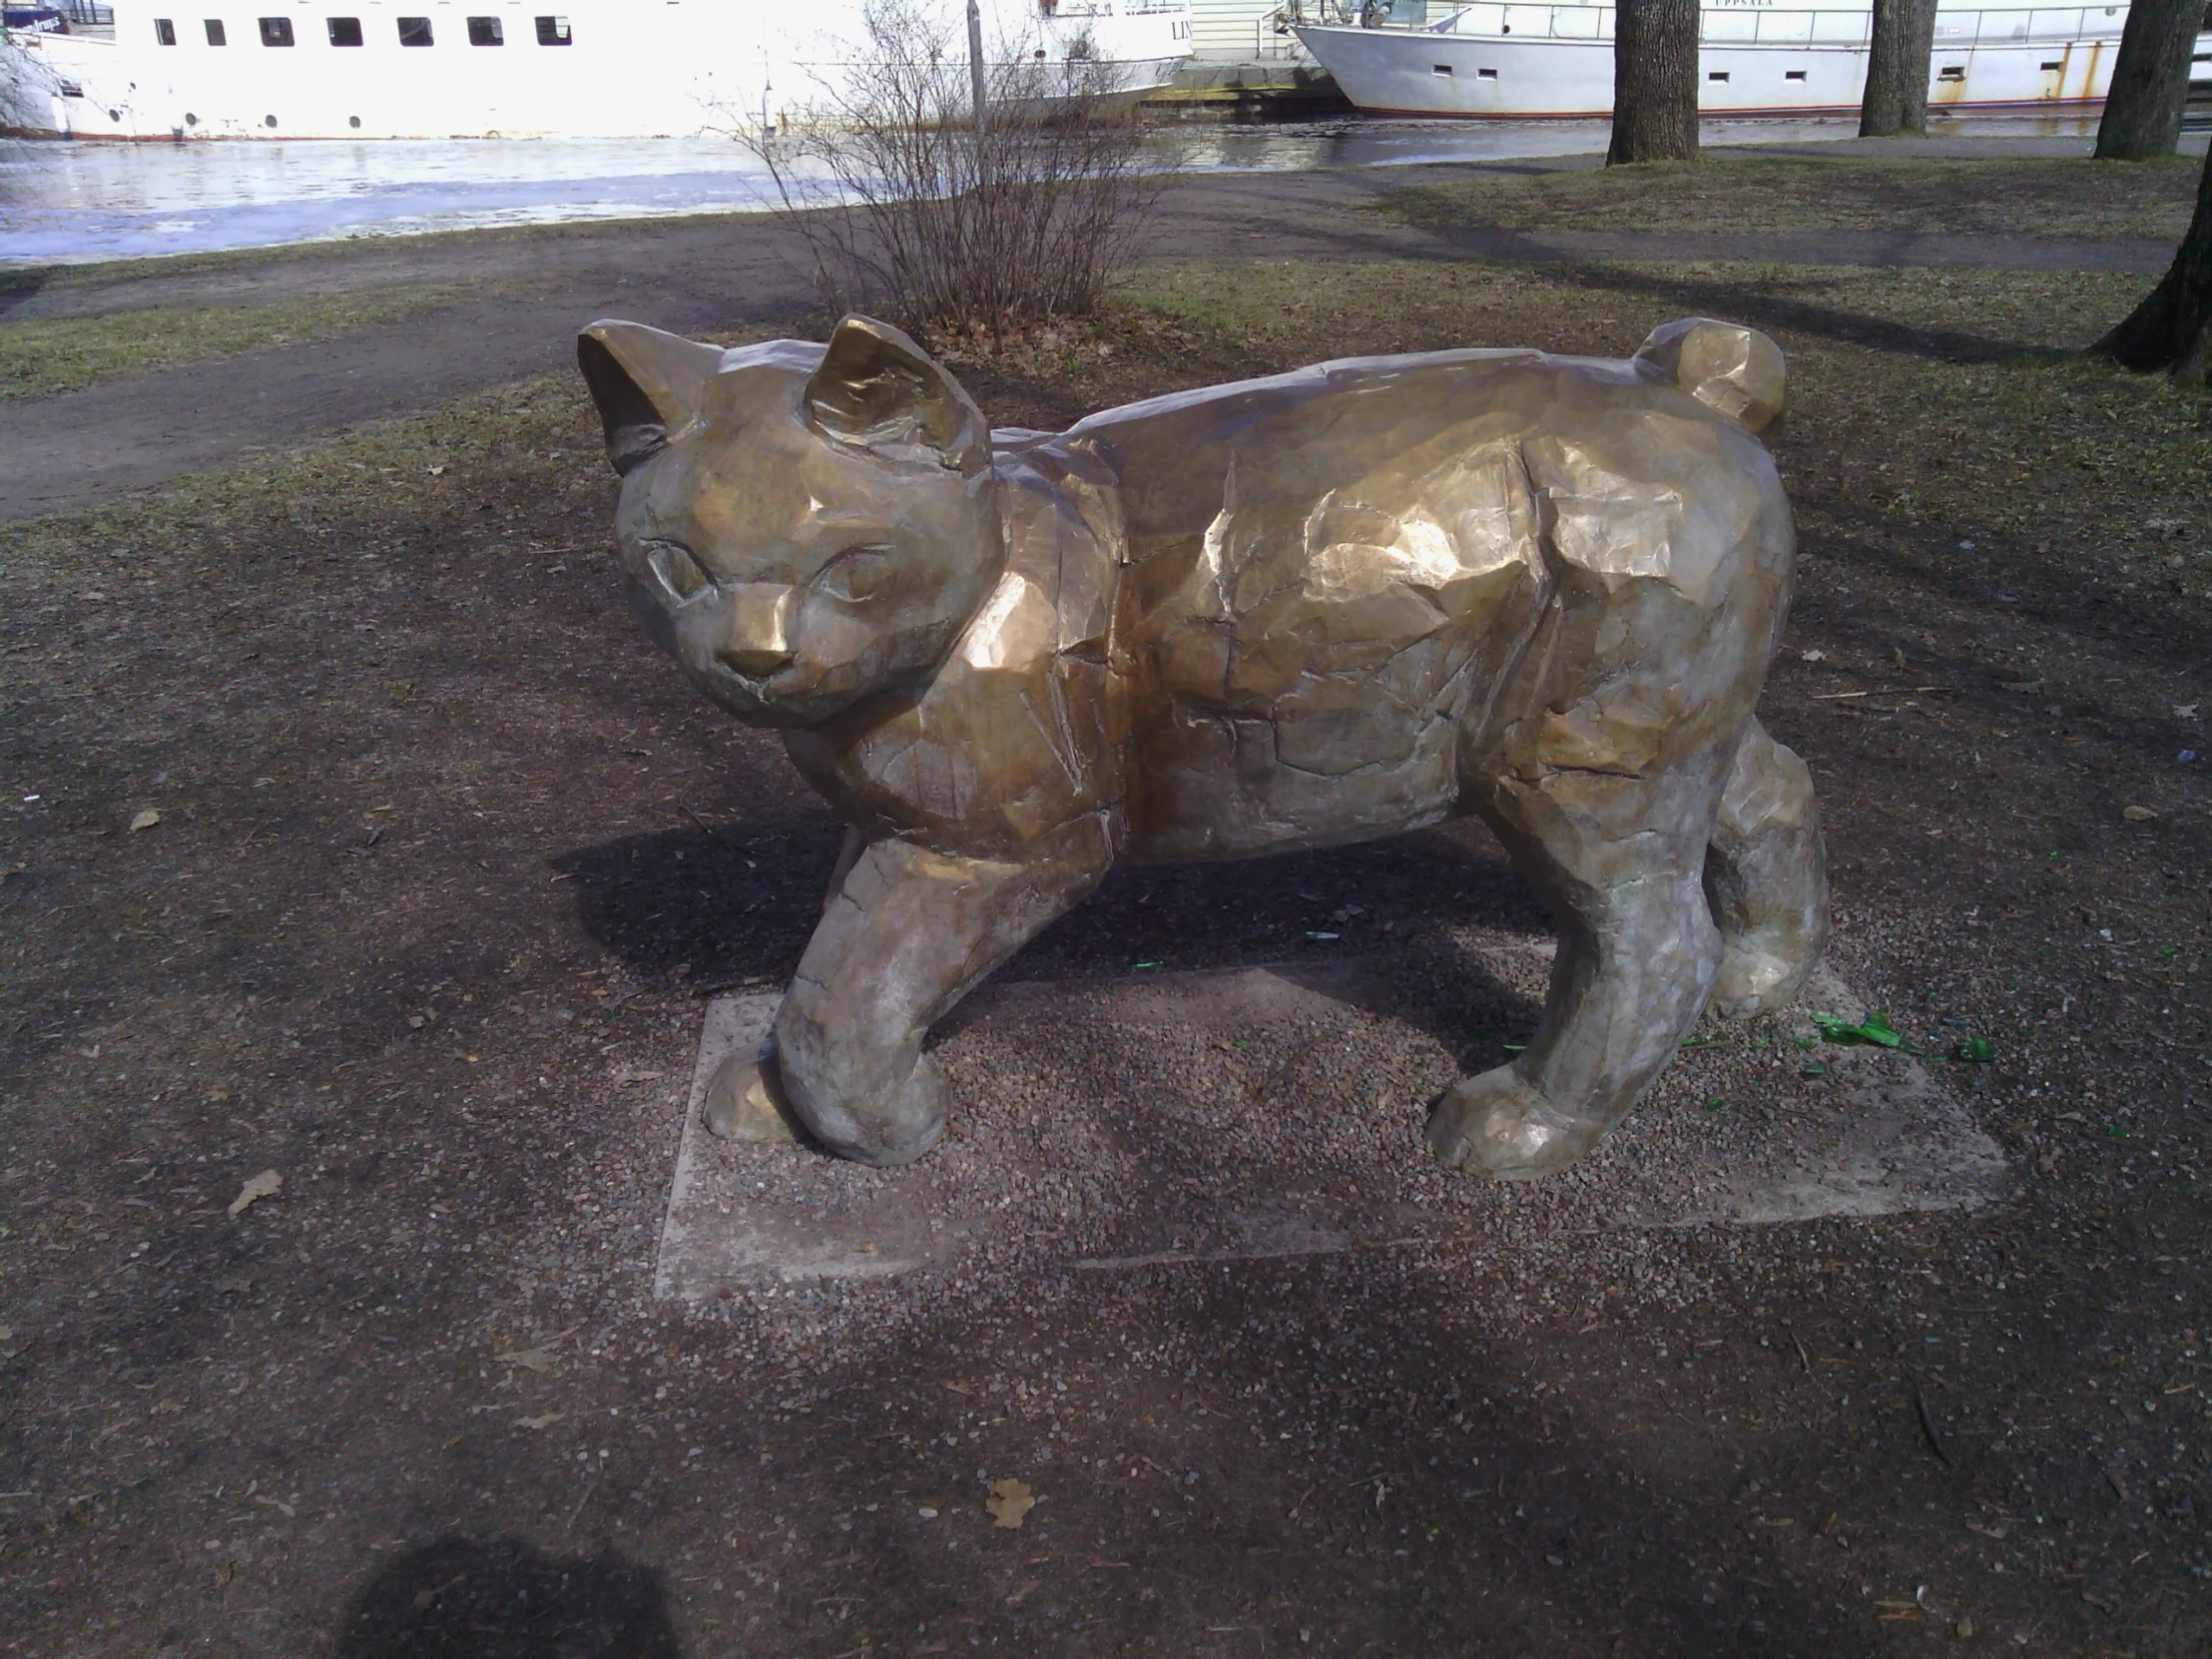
[[759, 641]]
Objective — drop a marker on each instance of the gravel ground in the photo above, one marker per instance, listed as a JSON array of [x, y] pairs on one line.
[[445, 857]]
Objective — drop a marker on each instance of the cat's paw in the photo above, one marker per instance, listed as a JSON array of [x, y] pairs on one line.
[[1497, 1124], [744, 1099], [1755, 981], [883, 1128]]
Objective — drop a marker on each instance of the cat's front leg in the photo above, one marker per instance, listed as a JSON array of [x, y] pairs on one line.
[[910, 932]]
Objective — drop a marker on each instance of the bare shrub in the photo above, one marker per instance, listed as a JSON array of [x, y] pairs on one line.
[[955, 228]]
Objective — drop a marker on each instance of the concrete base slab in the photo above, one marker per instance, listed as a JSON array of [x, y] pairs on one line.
[[1113, 1125]]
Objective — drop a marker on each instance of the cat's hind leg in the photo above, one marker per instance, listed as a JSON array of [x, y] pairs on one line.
[[1619, 860], [908, 935], [1766, 878]]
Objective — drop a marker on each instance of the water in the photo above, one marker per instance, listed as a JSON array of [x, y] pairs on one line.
[[75, 201]]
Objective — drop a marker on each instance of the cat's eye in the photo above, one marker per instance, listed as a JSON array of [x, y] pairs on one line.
[[678, 571], [858, 573]]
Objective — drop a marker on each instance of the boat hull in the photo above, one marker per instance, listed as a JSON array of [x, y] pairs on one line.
[[1525, 75], [666, 71]]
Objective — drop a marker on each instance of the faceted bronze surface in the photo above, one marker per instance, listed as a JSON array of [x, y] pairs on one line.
[[1324, 607]]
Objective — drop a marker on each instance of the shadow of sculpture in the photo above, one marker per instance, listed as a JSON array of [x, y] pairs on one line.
[[504, 1599], [730, 906]]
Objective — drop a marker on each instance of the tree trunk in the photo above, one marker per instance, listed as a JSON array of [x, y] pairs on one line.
[[1655, 82], [1904, 42], [2172, 327], [2150, 81]]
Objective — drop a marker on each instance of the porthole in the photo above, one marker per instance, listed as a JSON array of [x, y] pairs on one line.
[[190, 120], [353, 121], [115, 115], [269, 121]]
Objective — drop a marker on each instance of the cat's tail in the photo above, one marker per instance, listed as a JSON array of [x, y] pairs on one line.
[[1734, 369]]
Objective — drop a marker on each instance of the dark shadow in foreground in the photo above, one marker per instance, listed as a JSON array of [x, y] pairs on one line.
[[503, 1599]]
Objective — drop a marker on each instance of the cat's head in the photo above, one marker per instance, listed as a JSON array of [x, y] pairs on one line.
[[799, 525]]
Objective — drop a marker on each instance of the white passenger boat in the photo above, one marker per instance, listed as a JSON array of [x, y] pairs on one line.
[[348, 69], [1755, 56]]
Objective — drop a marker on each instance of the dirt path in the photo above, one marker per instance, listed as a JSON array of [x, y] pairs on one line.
[[535, 287]]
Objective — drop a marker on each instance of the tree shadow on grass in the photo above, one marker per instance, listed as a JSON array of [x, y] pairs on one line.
[[1749, 302], [504, 1599]]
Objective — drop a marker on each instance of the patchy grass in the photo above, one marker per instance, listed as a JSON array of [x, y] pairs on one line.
[[1753, 193], [44, 355], [444, 843]]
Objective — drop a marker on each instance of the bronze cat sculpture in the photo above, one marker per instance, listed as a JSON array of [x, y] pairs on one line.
[[1322, 607]]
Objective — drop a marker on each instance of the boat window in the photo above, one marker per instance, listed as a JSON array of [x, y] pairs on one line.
[[1951, 72], [2052, 68], [1485, 75], [1440, 69], [69, 89], [485, 31], [216, 36], [414, 31], [1793, 74], [164, 31], [1716, 75], [553, 30], [276, 31], [345, 31]]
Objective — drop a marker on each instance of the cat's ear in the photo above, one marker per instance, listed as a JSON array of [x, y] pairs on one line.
[[879, 391], [646, 382]]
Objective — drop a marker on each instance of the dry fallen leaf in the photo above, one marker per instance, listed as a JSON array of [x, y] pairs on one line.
[[1811, 656], [147, 819], [546, 1422], [2185, 711], [539, 1359], [265, 1185], [2137, 815], [1009, 1501]]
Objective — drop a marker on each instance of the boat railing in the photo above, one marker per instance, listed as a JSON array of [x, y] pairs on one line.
[[1786, 26]]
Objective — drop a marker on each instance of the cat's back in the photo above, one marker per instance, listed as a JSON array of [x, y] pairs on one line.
[[1328, 574]]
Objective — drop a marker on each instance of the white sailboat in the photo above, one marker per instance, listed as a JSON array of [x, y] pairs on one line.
[[356, 69], [1755, 56]]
